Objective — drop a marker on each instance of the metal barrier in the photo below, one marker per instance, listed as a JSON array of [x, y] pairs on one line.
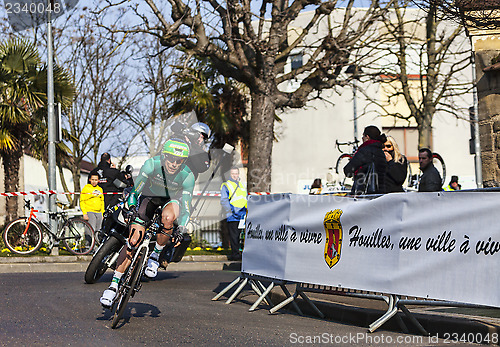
[[394, 303]]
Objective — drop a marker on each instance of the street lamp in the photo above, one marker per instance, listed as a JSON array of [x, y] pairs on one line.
[[354, 71]]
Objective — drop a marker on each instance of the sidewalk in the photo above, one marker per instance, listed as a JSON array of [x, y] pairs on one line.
[[79, 264]]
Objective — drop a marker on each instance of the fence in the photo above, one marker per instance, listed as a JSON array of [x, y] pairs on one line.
[[208, 229]]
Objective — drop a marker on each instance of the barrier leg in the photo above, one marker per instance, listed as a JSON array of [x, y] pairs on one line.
[[259, 300], [318, 312], [284, 303], [261, 287], [391, 311], [255, 286], [288, 295], [237, 291], [225, 290], [413, 320]]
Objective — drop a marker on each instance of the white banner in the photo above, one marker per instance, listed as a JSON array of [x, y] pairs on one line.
[[442, 245]]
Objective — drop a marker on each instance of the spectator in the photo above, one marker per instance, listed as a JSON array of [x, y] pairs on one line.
[[111, 180], [430, 181], [453, 184], [92, 203], [369, 152], [234, 205], [397, 167], [316, 187]]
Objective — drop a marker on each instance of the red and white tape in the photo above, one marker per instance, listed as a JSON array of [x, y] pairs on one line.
[[51, 192]]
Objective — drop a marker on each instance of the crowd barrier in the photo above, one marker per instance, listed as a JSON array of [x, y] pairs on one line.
[[438, 248]]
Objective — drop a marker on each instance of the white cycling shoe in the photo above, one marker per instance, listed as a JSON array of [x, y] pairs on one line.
[[108, 297], [152, 268]]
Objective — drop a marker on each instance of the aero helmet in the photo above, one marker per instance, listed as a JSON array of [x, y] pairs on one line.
[[202, 128], [175, 147]]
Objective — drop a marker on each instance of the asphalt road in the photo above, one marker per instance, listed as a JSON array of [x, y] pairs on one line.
[[48, 309]]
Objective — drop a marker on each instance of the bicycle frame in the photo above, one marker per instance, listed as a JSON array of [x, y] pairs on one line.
[[61, 220]]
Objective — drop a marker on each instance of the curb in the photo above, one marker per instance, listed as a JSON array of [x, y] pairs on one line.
[[80, 263]]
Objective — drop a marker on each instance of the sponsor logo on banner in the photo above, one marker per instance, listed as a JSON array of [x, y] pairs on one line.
[[333, 229]]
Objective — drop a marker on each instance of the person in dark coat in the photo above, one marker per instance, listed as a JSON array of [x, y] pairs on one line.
[[111, 180], [430, 181], [369, 152], [397, 167]]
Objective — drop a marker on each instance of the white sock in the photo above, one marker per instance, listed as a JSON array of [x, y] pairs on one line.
[[116, 279]]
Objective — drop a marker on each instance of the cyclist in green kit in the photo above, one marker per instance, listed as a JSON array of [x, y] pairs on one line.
[[163, 181]]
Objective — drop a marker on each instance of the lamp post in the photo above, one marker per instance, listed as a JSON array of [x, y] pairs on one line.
[[354, 71], [51, 125]]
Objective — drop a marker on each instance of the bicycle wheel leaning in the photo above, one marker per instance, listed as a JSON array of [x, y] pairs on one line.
[[440, 166], [23, 236], [127, 288], [100, 262], [344, 182], [78, 236]]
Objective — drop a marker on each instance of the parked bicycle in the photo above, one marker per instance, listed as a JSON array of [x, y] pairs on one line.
[[25, 235], [343, 182]]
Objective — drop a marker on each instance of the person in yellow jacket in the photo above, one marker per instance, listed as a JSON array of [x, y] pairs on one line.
[[92, 203], [234, 206]]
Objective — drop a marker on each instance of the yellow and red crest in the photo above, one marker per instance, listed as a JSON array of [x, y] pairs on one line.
[[333, 230]]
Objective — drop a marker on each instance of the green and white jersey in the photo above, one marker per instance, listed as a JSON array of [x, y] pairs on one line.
[[153, 180]]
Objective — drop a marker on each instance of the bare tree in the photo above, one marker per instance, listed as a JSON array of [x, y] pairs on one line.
[[420, 62], [99, 63], [253, 48]]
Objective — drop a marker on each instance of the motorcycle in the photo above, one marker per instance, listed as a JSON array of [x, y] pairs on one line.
[[113, 236]]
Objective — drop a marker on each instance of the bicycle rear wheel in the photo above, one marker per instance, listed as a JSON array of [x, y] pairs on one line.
[[440, 166], [78, 236], [132, 279], [344, 182], [21, 237]]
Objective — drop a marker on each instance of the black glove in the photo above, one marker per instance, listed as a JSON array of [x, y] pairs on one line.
[[177, 236]]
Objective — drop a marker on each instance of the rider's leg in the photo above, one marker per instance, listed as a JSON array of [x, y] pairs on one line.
[[123, 261], [169, 214]]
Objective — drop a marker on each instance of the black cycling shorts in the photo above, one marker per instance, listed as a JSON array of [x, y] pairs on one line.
[[147, 207]]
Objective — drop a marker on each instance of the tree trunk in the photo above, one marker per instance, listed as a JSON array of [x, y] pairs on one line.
[[425, 132], [75, 171], [11, 164], [261, 143]]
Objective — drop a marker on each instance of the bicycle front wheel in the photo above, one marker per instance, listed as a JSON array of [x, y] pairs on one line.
[[440, 166], [23, 237], [344, 182], [78, 236], [131, 280]]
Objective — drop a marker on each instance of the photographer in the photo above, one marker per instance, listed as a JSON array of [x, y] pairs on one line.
[[111, 180]]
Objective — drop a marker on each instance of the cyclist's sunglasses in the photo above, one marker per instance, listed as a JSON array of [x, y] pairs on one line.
[[173, 159], [388, 146]]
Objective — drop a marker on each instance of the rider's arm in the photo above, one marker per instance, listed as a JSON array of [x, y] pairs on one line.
[[185, 201], [144, 174]]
